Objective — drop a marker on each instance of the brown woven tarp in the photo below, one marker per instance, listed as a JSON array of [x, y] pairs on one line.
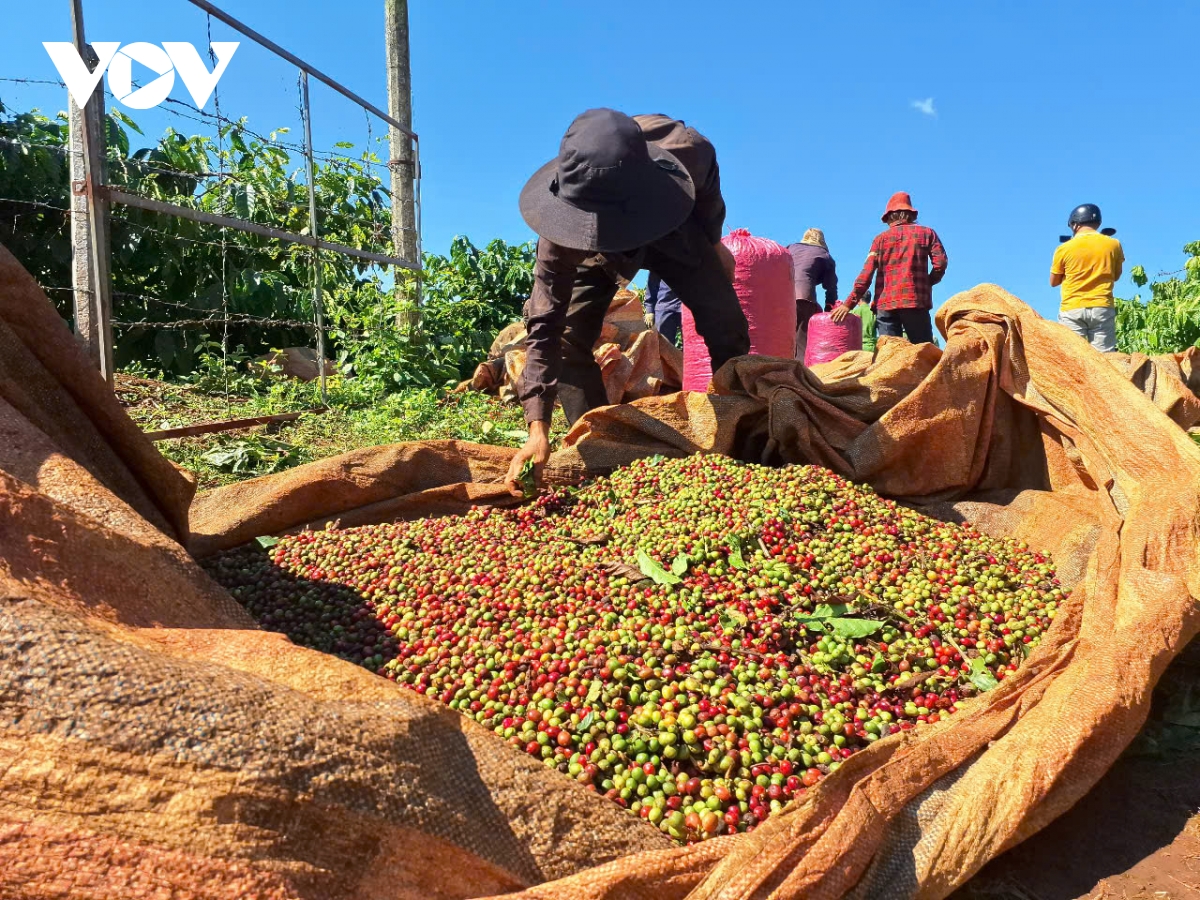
[[635, 360], [1170, 380], [151, 742]]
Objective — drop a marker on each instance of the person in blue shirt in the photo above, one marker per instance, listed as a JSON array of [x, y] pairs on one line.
[[663, 310]]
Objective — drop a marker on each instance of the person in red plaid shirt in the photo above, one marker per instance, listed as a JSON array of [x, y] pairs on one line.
[[907, 260]]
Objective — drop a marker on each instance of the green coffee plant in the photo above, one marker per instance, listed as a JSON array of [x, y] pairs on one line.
[[1169, 321], [203, 274]]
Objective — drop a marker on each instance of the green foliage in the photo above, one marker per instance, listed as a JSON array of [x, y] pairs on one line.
[[1170, 320], [353, 420], [472, 294], [179, 280], [651, 568], [34, 184], [467, 297], [254, 455]]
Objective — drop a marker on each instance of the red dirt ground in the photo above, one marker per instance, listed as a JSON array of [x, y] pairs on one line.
[[1136, 836]]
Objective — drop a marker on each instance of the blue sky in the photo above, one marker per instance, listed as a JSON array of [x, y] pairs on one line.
[[1037, 107]]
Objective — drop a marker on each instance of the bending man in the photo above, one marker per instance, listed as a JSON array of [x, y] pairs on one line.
[[623, 194]]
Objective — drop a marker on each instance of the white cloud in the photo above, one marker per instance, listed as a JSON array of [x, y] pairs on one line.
[[925, 107]]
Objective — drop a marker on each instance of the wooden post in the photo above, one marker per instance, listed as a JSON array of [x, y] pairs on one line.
[[89, 217], [405, 239], [81, 234], [404, 228]]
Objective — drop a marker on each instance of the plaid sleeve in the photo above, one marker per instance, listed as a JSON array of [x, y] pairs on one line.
[[937, 258], [863, 282]]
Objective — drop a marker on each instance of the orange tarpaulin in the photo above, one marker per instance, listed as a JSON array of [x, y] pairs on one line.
[[153, 741]]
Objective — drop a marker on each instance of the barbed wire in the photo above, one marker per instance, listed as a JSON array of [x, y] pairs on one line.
[[237, 319], [219, 186], [20, 142], [174, 304], [35, 203], [184, 324], [178, 237], [195, 114], [124, 221], [224, 244], [132, 162], [34, 81]]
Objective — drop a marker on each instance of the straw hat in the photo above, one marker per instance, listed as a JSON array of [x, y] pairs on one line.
[[815, 237]]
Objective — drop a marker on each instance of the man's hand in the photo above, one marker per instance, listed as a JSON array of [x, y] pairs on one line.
[[535, 451], [839, 312], [649, 320], [728, 263]]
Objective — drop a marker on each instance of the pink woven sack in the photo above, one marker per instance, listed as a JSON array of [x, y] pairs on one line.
[[827, 339], [763, 281]]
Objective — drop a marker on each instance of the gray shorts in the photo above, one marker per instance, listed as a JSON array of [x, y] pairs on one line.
[[1095, 324]]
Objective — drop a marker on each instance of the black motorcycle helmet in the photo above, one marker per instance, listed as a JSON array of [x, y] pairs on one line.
[[1084, 214]]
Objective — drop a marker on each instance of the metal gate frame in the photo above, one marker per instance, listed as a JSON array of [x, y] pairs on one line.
[[93, 299]]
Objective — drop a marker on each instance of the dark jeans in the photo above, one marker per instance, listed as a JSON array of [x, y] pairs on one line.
[[668, 320], [701, 285], [914, 324]]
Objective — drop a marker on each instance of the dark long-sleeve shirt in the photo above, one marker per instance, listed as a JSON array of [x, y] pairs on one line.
[[812, 266], [907, 261], [554, 271]]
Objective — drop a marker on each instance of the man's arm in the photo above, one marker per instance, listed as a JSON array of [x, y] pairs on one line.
[[861, 284], [863, 281], [1058, 269], [830, 284], [937, 258], [710, 202], [1120, 263], [545, 319]]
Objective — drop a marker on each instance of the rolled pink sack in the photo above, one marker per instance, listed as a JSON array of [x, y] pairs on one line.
[[763, 282], [827, 339]]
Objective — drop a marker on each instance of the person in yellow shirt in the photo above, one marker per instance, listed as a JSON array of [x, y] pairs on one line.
[[1087, 266]]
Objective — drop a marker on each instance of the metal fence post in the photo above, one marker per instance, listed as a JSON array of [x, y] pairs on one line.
[[89, 217], [318, 312], [419, 259]]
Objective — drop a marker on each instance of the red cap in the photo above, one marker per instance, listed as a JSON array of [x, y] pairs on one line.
[[901, 202]]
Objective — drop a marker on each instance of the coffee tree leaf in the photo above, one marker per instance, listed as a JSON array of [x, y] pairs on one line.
[[651, 569]]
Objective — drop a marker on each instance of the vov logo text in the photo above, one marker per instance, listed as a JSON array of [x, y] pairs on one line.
[[171, 58]]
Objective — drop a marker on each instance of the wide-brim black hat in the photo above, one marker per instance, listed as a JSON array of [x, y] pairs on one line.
[[608, 189]]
